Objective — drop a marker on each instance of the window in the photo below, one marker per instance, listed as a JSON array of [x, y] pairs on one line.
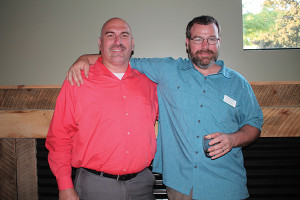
[[271, 24]]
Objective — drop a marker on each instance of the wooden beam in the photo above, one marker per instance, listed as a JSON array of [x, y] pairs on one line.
[[281, 122], [25, 124], [278, 122]]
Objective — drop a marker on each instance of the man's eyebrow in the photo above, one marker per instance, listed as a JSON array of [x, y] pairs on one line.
[[111, 32], [211, 36], [108, 32]]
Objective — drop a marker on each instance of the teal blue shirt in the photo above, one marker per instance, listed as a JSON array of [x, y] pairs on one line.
[[190, 106]]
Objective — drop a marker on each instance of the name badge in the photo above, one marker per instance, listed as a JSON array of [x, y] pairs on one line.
[[229, 101]]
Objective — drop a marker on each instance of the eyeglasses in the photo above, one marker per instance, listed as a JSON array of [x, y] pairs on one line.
[[199, 40]]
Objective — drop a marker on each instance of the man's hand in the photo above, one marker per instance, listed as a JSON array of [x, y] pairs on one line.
[[75, 71], [68, 194], [82, 63], [223, 143]]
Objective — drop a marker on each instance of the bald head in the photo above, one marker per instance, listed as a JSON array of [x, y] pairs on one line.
[[115, 22]]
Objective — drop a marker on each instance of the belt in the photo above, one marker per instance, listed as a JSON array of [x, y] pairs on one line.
[[124, 177]]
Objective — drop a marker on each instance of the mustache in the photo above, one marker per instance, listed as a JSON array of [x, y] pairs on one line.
[[117, 46], [205, 51]]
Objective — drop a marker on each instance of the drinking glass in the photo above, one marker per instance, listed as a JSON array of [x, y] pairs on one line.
[[206, 146]]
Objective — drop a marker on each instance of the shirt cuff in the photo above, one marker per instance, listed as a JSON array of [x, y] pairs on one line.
[[64, 183]]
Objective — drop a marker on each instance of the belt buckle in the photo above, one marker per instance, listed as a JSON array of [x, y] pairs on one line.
[[118, 177]]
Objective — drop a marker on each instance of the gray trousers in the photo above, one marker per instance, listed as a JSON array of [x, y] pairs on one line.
[[90, 186]]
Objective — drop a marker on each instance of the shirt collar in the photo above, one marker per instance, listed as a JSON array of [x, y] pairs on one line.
[[224, 70], [99, 69]]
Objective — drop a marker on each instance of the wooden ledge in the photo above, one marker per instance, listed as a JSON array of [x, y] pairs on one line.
[[26, 110]]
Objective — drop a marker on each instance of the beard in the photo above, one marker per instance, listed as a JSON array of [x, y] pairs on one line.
[[203, 62]]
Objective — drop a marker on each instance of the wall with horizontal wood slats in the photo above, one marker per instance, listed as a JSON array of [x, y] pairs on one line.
[[272, 162], [280, 102]]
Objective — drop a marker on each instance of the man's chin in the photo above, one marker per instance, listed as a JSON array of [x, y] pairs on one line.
[[205, 62], [203, 66], [120, 59]]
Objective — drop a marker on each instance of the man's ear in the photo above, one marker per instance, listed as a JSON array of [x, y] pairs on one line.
[[132, 44], [132, 49], [99, 43], [187, 42]]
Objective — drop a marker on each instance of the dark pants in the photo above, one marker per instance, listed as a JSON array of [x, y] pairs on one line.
[[90, 186], [175, 195]]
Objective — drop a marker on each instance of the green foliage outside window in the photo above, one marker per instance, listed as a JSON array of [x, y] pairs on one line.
[[275, 26]]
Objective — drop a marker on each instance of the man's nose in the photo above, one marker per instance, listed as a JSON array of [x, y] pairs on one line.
[[118, 40], [204, 44]]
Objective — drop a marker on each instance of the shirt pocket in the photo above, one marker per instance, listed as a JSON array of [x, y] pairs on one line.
[[179, 97], [224, 116]]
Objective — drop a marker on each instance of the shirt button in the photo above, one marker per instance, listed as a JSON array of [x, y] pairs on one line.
[[178, 87], [195, 167], [126, 114], [197, 136], [196, 152], [205, 78], [201, 106], [128, 133], [127, 152], [204, 91], [198, 121], [124, 97], [124, 170]]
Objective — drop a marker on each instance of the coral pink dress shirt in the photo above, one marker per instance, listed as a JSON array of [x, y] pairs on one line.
[[106, 124]]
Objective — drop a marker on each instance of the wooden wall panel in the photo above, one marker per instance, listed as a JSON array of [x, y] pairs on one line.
[[26, 169], [277, 94], [18, 169], [8, 179], [25, 98], [280, 102]]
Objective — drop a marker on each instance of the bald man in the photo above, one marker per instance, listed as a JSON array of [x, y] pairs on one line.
[[105, 128]]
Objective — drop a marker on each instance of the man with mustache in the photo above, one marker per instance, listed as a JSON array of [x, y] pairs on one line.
[[199, 97], [105, 128]]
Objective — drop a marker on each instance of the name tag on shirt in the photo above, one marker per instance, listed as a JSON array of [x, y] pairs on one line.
[[229, 101]]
